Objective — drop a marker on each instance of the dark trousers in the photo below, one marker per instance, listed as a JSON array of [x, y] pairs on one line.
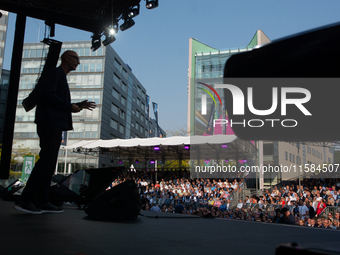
[[38, 185]]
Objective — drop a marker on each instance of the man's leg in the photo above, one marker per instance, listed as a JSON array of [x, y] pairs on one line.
[[38, 185]]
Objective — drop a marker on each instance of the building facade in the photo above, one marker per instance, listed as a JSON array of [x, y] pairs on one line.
[[206, 65], [3, 33], [4, 74], [102, 77]]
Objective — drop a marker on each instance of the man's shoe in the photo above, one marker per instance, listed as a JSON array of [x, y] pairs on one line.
[[27, 207], [50, 208]]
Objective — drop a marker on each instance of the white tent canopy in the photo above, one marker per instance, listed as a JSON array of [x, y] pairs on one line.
[[169, 147]]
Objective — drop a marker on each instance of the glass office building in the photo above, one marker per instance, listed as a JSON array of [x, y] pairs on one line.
[[206, 65], [101, 77], [3, 33], [4, 74]]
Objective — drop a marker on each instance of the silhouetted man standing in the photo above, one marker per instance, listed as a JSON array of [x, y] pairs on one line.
[[53, 115]]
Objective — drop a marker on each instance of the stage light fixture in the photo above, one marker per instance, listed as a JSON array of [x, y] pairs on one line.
[[96, 42], [133, 11], [186, 147], [109, 39], [224, 146], [112, 30], [151, 4], [128, 22], [152, 162], [156, 148]]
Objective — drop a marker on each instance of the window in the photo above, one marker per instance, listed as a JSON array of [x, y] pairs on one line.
[[124, 87], [114, 124], [114, 109], [115, 94], [123, 100], [286, 155], [117, 65], [121, 129], [122, 114], [116, 79], [125, 73]]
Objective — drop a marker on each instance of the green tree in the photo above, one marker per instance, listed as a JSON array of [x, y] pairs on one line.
[[337, 157], [178, 131]]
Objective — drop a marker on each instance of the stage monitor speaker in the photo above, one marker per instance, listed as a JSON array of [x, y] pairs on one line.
[[83, 186], [122, 202]]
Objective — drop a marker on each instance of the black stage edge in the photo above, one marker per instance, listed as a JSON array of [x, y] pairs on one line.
[[70, 233]]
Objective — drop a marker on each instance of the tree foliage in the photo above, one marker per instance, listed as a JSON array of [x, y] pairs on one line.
[[178, 131], [337, 157], [19, 152]]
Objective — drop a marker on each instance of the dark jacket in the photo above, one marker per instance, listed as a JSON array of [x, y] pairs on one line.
[[289, 220], [54, 105]]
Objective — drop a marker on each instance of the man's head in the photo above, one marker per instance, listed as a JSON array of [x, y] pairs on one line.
[[285, 212], [312, 222], [69, 61], [326, 223]]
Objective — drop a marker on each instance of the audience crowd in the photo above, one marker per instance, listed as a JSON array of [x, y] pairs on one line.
[[289, 203]]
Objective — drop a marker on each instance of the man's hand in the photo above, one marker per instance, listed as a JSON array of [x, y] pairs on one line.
[[75, 108], [87, 105]]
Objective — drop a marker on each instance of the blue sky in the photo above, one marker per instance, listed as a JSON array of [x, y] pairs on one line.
[[157, 46]]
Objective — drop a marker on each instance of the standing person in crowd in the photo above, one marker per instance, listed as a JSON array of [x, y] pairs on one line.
[[311, 211], [321, 206], [52, 116], [287, 217]]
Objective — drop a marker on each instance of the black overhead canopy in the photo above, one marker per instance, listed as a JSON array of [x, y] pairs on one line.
[[89, 15]]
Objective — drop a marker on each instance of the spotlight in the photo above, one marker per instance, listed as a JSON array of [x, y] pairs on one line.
[[186, 147], [156, 148], [113, 29], [152, 162], [136, 161], [96, 42], [127, 24], [133, 12], [224, 146], [109, 39], [151, 4]]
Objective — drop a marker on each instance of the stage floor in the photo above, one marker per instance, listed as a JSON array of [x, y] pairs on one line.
[[70, 233]]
